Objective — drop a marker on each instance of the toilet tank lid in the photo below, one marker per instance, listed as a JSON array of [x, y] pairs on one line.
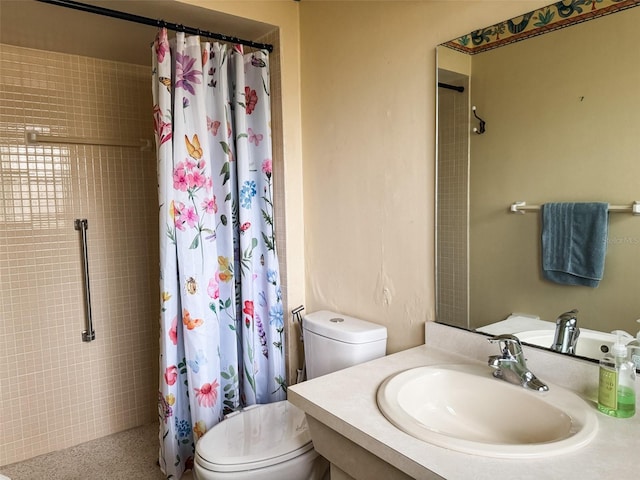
[[343, 327]]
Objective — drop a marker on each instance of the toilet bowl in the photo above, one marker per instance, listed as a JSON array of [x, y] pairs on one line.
[[272, 441]]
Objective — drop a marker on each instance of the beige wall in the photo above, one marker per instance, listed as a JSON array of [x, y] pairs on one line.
[[454, 61], [562, 125], [56, 390]]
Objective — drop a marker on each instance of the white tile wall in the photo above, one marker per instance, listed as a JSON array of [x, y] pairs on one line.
[[57, 390]]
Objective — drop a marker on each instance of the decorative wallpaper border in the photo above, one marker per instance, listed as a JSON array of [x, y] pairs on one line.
[[543, 20]]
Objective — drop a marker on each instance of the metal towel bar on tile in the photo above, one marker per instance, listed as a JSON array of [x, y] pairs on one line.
[[89, 334]]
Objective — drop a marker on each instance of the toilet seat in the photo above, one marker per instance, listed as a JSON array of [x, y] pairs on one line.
[[257, 437]]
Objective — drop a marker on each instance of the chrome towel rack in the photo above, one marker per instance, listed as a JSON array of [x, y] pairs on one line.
[[33, 137], [89, 334], [522, 207]]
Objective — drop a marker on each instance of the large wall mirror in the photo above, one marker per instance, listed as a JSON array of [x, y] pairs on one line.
[[559, 90]]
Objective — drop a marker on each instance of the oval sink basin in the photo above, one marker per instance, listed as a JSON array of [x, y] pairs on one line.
[[464, 408], [591, 343]]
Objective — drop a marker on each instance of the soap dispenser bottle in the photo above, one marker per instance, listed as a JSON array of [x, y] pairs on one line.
[[617, 389]]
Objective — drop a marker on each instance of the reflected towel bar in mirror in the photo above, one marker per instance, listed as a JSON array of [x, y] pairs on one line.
[[521, 207]]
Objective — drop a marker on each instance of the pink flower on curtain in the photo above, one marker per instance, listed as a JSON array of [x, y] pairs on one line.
[[213, 289], [177, 212], [162, 128], [205, 56], [209, 205], [266, 167], [251, 98], [173, 331], [207, 394], [161, 44], [191, 217], [180, 178], [186, 74], [196, 179], [188, 164], [171, 375]]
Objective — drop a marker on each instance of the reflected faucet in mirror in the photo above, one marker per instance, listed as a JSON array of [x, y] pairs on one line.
[[511, 366], [567, 333]]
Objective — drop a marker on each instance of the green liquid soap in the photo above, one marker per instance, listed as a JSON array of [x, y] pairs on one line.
[[626, 404], [616, 382]]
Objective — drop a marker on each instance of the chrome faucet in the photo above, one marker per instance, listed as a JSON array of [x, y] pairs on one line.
[[511, 365], [567, 332]]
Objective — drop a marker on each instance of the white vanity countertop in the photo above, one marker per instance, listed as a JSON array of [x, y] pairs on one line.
[[346, 402]]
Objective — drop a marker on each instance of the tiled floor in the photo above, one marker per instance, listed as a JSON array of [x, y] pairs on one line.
[[129, 455]]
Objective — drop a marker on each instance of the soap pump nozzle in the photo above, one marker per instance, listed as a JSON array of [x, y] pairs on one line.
[[619, 349]]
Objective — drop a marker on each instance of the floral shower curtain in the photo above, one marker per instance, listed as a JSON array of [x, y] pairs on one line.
[[222, 320]]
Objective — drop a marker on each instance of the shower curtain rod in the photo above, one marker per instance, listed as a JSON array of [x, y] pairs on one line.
[[450, 87], [107, 12]]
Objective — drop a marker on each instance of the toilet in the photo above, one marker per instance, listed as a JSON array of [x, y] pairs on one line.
[[272, 441]]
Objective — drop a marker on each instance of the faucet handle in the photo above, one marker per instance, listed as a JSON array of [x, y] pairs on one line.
[[511, 365], [510, 345], [570, 316], [507, 338]]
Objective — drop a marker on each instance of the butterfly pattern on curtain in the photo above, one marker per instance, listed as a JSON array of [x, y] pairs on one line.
[[222, 318]]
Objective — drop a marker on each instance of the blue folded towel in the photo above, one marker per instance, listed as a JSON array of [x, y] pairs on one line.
[[574, 242]]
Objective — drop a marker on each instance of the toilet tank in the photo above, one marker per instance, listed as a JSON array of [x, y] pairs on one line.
[[333, 341]]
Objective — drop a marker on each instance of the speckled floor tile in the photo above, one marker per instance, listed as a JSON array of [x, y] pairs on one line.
[[129, 455]]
